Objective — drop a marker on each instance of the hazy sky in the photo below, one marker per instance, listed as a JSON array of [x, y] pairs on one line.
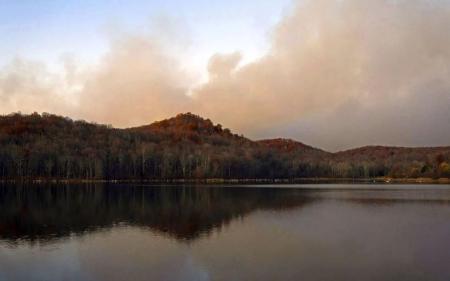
[[331, 73], [46, 30]]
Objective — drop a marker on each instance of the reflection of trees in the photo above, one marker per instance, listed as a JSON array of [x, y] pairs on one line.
[[44, 213]]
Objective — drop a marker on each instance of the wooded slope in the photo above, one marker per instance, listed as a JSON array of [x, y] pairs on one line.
[[188, 147]]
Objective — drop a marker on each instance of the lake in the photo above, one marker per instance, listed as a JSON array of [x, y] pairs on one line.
[[271, 232]]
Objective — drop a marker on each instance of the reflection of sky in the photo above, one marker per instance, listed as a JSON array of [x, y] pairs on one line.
[[44, 30], [327, 240], [50, 262]]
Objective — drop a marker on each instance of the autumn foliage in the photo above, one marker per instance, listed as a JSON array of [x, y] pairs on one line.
[[188, 147]]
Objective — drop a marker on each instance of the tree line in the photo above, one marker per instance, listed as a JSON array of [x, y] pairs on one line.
[[46, 146]]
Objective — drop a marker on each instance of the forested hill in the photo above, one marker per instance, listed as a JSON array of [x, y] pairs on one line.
[[188, 147]]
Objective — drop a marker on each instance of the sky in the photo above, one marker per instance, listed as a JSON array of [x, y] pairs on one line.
[[331, 73], [48, 30]]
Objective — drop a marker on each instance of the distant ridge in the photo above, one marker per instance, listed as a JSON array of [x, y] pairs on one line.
[[188, 146], [288, 145]]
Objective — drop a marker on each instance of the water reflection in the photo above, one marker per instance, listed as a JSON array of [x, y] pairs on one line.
[[46, 213], [174, 233], [49, 212]]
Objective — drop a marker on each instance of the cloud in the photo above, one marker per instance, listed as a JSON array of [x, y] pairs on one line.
[[359, 72], [339, 73], [28, 86], [135, 83]]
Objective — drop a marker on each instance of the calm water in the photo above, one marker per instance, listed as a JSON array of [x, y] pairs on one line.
[[295, 232]]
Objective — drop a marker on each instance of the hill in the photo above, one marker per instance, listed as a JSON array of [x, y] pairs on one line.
[[188, 146]]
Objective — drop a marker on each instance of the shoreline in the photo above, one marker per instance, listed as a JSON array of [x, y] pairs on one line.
[[379, 180]]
